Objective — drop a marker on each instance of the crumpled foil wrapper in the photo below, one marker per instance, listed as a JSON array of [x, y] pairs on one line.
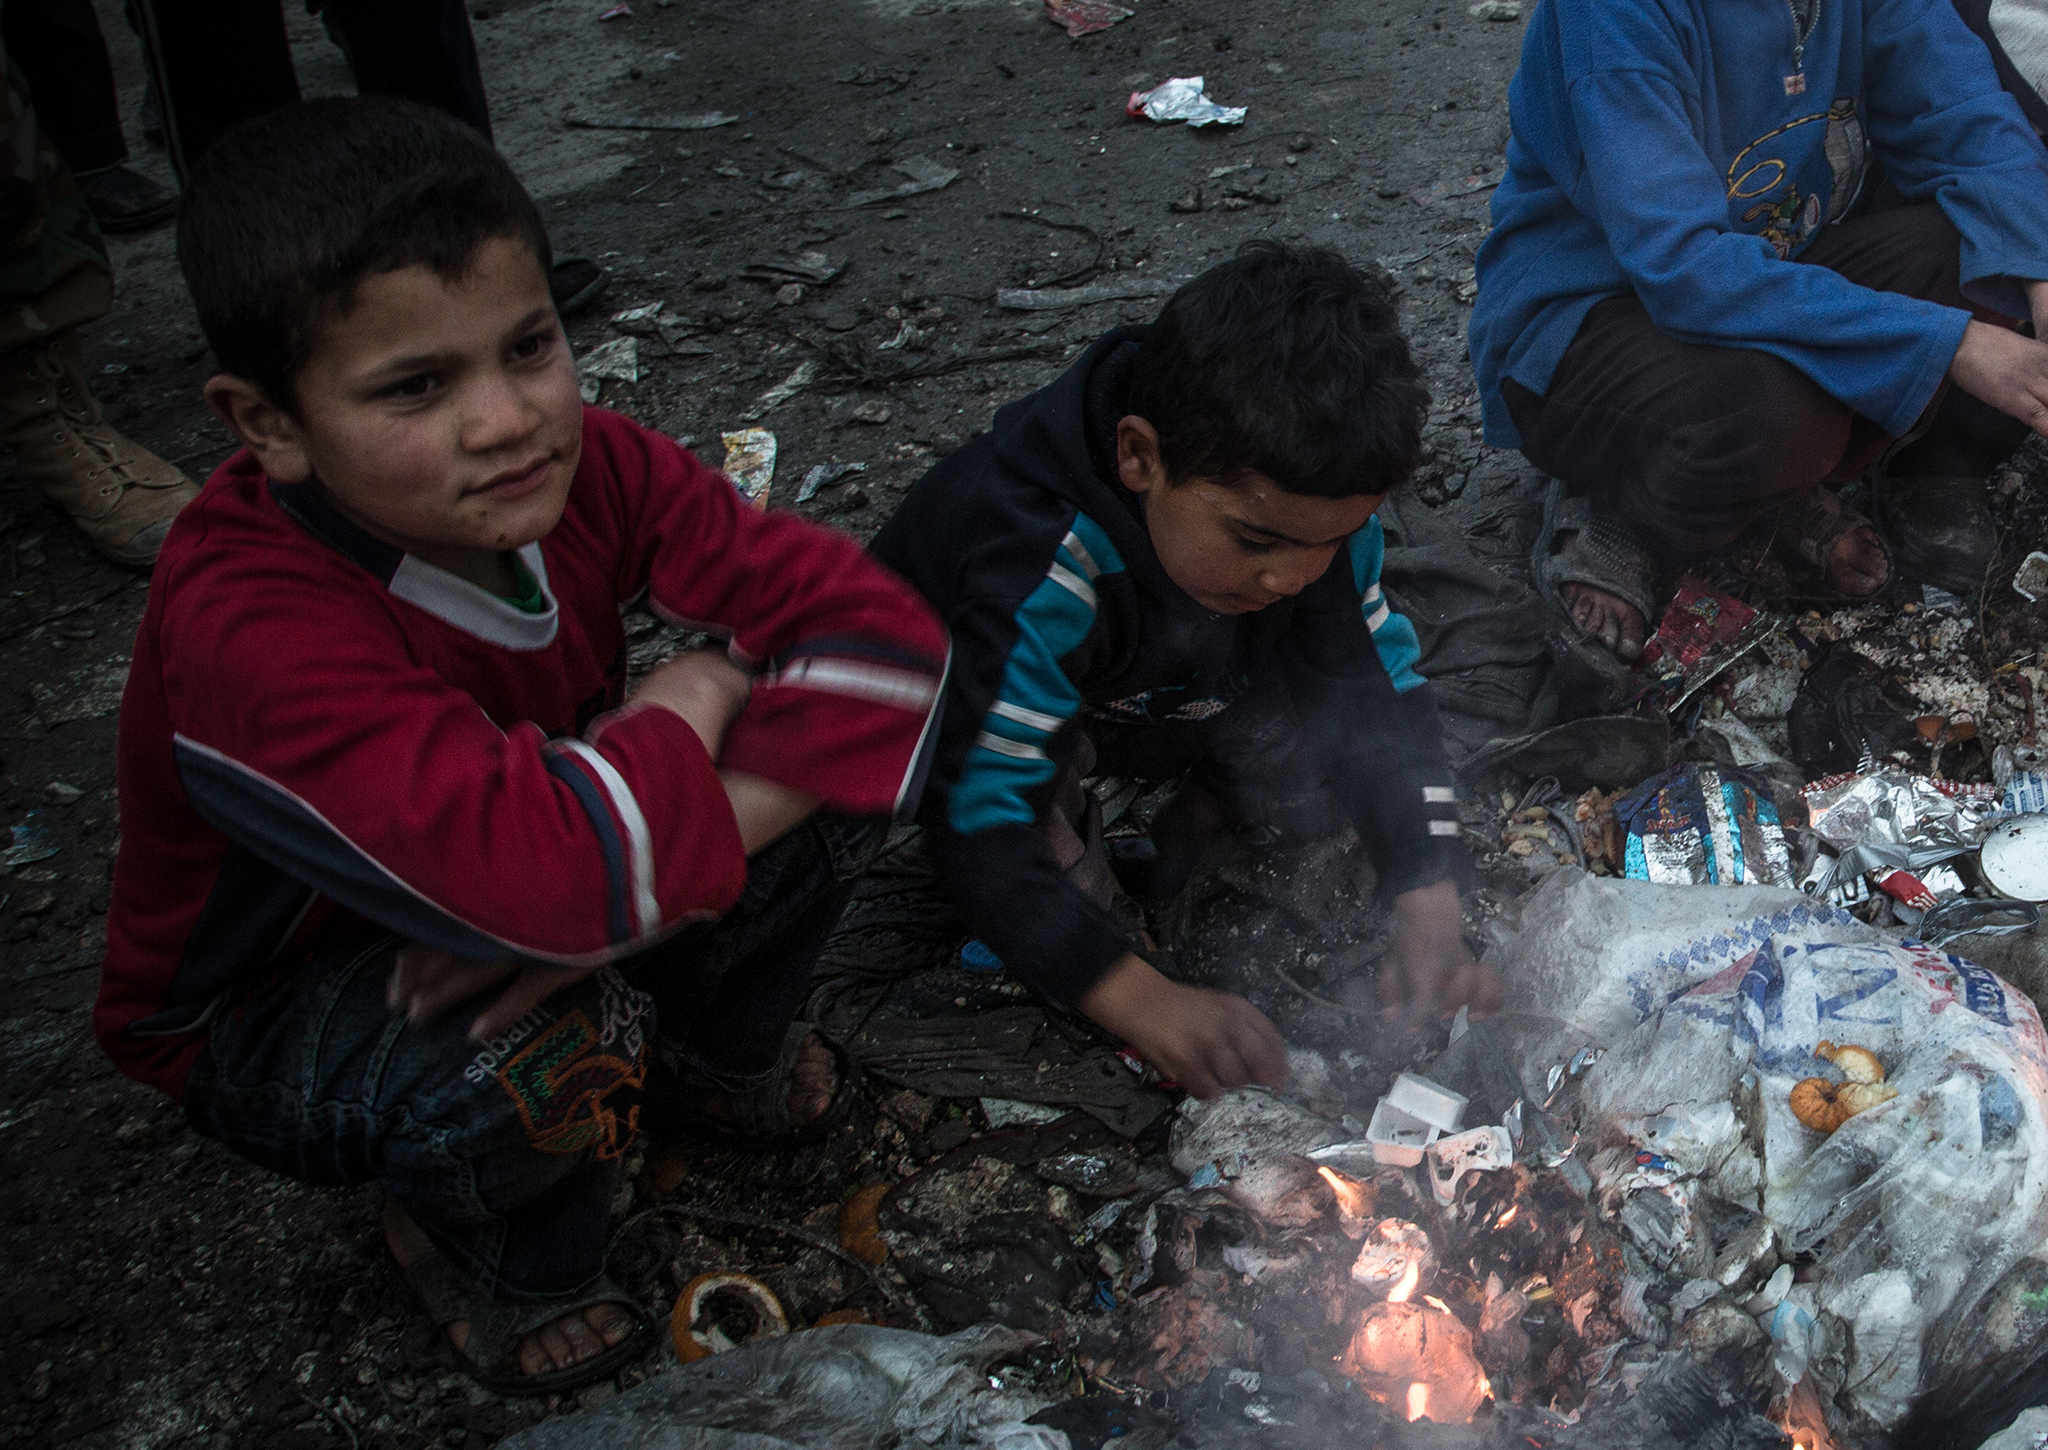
[[1914, 814]]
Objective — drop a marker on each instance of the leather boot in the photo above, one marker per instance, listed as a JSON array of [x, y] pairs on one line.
[[121, 495]]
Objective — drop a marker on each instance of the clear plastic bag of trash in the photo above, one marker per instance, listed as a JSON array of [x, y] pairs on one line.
[[1917, 1220], [846, 1385]]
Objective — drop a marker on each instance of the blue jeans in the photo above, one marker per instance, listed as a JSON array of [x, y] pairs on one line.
[[507, 1152]]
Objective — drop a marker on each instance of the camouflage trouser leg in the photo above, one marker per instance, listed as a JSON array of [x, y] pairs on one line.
[[54, 272]]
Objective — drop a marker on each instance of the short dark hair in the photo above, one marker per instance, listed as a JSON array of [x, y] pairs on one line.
[[289, 211], [1285, 361]]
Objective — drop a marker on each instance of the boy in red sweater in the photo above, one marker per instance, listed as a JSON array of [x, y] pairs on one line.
[[408, 889]]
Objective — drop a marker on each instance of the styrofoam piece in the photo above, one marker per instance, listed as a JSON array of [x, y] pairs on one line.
[[1477, 1150], [1398, 1139], [1434, 1103]]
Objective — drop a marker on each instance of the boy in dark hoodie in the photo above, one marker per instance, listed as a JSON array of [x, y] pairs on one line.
[[1167, 562]]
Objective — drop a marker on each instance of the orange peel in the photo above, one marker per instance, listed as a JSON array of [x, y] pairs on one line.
[[711, 1306]]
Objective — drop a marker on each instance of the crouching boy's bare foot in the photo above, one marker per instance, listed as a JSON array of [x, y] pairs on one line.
[[575, 1338]]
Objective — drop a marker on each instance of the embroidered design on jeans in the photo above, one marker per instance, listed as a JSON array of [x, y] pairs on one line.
[[562, 1084]]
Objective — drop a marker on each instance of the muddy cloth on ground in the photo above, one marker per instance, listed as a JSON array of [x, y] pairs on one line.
[[1481, 633], [1013, 1052], [846, 1387]]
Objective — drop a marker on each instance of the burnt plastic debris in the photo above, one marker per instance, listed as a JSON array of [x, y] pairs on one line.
[[1849, 708]]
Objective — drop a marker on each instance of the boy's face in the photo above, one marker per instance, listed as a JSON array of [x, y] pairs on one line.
[[441, 416], [1238, 547]]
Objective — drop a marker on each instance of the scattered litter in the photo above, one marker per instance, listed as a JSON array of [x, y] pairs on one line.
[[874, 411], [1008, 1113], [1699, 825], [722, 1311], [1702, 633], [814, 268], [2031, 582], [2026, 793], [800, 377], [750, 463], [1909, 820], [1476, 1150], [1110, 1171], [925, 175], [1911, 1223], [1496, 10], [1431, 1102], [1965, 916], [609, 121], [1058, 299], [1395, 1252], [619, 11], [1084, 17], [618, 359], [1182, 99], [1254, 1139], [33, 841], [1397, 1138], [824, 475], [61, 793], [850, 1384], [2015, 858]]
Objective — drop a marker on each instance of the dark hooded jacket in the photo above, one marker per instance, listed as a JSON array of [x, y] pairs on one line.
[[1063, 618]]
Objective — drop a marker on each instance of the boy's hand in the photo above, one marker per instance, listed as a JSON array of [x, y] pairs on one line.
[[2006, 370], [1208, 1042], [703, 686], [428, 981], [1427, 972]]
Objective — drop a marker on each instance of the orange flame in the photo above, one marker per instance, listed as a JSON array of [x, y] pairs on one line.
[[1435, 1303], [1410, 1277], [1507, 1218], [1351, 1201], [1418, 1400]]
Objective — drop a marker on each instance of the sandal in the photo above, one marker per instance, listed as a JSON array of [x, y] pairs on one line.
[[758, 1119], [495, 1329], [1606, 556], [1806, 533]]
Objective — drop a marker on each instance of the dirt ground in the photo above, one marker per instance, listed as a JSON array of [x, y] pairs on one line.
[[160, 1293]]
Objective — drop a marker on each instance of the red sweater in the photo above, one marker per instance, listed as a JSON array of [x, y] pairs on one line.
[[320, 730]]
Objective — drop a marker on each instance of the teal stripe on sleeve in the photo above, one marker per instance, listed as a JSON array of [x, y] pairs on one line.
[[1392, 634], [1008, 759]]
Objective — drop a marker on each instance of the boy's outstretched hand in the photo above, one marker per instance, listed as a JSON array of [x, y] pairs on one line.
[[1427, 972], [1208, 1042]]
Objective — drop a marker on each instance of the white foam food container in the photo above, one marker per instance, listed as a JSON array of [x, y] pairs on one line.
[[1398, 1139], [1433, 1103]]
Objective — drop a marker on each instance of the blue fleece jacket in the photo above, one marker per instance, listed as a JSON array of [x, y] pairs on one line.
[[1688, 150]]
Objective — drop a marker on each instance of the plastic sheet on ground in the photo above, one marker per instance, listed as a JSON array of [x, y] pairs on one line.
[[1919, 1221], [847, 1387]]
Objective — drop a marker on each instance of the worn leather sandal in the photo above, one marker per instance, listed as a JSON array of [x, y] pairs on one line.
[[1605, 555], [756, 1119], [495, 1329], [1806, 534]]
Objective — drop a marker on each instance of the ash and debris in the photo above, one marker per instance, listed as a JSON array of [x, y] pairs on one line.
[[161, 1293]]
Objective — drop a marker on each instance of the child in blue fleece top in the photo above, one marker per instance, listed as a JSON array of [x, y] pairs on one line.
[[1699, 307]]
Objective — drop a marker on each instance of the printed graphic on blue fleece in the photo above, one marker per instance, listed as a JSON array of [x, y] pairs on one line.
[[1392, 634], [1008, 759]]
